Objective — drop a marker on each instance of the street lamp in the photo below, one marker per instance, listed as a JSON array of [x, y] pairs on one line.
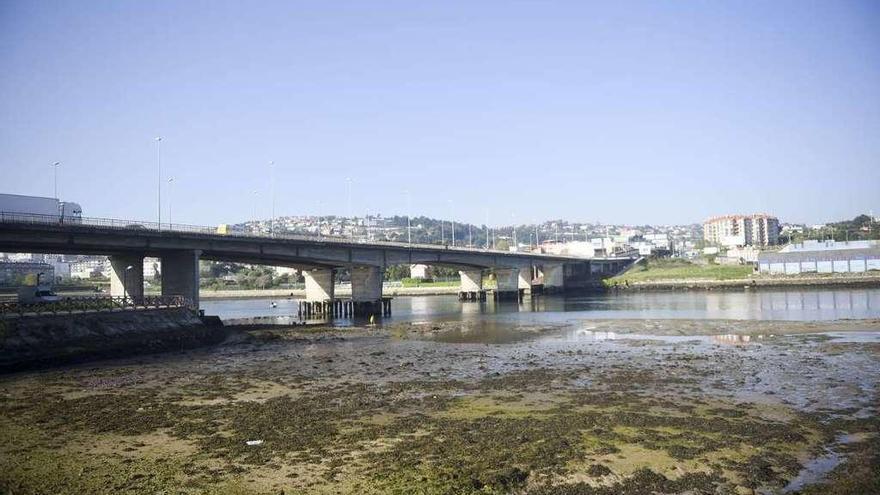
[[515, 244], [487, 228], [55, 166], [537, 237], [272, 178], [452, 218], [159, 178], [408, 224], [125, 283], [170, 197], [348, 179], [256, 222]]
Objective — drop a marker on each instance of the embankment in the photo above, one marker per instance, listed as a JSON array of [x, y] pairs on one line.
[[757, 282], [50, 340]]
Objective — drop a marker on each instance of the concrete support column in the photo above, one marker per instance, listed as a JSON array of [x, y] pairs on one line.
[[507, 279], [471, 280], [319, 284], [180, 274], [125, 281], [525, 278], [366, 283], [554, 277]]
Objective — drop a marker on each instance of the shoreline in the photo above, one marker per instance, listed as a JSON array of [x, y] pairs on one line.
[[855, 281], [300, 293]]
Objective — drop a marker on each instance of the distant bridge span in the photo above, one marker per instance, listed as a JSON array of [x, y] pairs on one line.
[[181, 246]]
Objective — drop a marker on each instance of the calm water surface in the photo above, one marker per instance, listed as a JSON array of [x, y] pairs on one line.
[[798, 305]]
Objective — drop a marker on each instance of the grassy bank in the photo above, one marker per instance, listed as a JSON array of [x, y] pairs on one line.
[[660, 270]]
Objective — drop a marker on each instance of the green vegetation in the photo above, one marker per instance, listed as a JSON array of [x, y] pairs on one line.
[[862, 227], [415, 282], [218, 276], [675, 269]]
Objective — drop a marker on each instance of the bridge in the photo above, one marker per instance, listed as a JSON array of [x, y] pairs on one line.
[[180, 247]]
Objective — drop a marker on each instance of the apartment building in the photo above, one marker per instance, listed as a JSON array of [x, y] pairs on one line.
[[742, 230]]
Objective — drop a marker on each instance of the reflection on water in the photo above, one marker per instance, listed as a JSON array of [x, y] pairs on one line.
[[586, 334], [804, 305]]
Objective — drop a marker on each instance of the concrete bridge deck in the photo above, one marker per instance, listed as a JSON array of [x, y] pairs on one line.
[[181, 246]]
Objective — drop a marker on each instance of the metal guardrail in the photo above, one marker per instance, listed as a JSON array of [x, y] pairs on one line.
[[92, 304], [140, 226]]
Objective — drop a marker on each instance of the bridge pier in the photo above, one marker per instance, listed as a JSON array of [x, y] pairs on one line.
[[366, 290], [471, 288], [180, 275], [526, 275], [319, 284], [554, 278], [508, 284], [124, 281]]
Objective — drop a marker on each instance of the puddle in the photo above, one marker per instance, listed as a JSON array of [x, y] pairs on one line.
[[854, 337], [816, 469], [589, 335]]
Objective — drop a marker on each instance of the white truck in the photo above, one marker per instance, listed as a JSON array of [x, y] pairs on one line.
[[39, 209], [37, 294]]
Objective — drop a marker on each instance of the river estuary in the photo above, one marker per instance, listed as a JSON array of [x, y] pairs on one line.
[[699, 393]]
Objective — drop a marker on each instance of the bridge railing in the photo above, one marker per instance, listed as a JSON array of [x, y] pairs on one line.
[[92, 304]]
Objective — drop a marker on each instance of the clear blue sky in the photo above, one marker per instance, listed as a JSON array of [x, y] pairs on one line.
[[629, 112]]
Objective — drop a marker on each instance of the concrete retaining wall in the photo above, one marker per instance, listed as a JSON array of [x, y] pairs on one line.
[[52, 340]]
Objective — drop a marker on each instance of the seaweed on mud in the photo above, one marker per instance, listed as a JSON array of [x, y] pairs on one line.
[[598, 470], [536, 431], [485, 453], [643, 481], [108, 413]]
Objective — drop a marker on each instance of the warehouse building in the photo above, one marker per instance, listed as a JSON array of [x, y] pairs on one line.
[[822, 257]]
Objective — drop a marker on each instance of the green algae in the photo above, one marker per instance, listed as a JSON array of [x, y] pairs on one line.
[[537, 430]]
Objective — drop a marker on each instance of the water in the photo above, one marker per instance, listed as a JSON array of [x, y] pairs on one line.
[[792, 305]]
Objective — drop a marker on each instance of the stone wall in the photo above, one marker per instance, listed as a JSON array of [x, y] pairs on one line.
[[52, 340]]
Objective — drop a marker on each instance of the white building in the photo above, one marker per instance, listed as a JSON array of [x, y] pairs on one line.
[[742, 230], [86, 269]]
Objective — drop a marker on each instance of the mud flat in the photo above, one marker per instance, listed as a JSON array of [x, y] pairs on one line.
[[581, 407]]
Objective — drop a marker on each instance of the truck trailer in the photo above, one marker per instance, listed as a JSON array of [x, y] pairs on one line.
[[39, 209]]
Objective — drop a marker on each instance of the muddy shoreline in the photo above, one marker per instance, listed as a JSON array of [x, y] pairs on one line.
[[581, 407]]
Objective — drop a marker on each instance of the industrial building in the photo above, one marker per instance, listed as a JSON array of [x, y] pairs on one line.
[[14, 272], [822, 257], [742, 230]]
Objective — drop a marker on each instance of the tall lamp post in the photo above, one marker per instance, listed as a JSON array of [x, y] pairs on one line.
[[55, 167], [487, 228], [348, 180], [125, 284], [408, 222], [452, 218], [256, 222], [272, 178], [515, 244], [537, 237], [170, 198], [159, 179]]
